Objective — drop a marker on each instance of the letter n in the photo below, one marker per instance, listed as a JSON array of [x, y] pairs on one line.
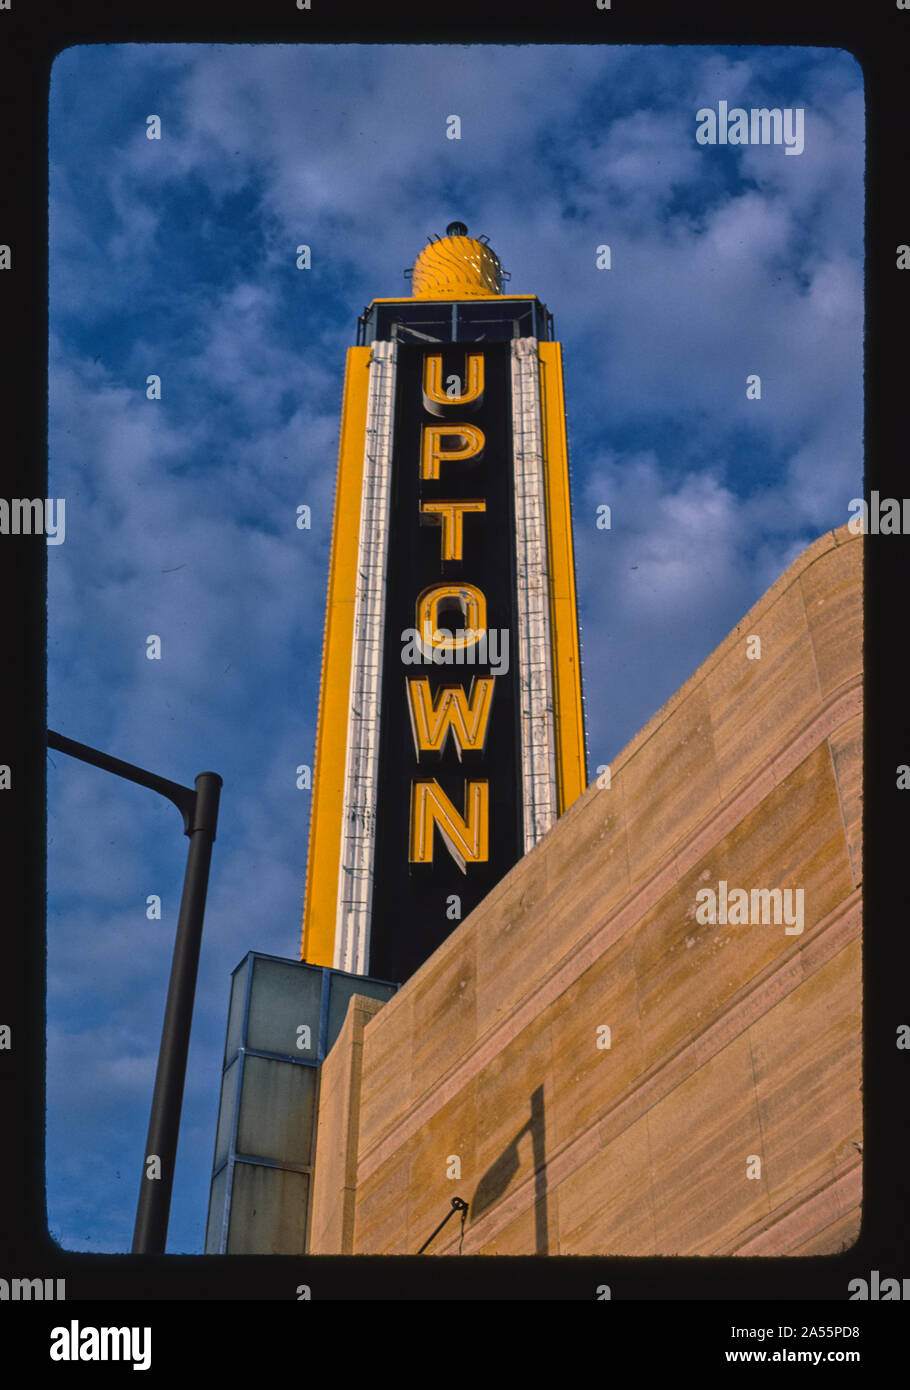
[[467, 838]]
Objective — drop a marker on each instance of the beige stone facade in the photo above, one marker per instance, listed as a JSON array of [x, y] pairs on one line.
[[733, 1049]]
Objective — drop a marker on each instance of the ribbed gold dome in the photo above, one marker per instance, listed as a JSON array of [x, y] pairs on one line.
[[456, 267]]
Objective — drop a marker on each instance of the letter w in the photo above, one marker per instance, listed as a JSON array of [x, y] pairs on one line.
[[467, 715]]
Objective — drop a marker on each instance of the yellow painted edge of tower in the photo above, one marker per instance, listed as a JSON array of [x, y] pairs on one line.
[[321, 893], [571, 758]]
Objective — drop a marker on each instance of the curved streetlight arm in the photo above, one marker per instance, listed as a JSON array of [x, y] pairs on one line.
[[184, 798], [199, 810]]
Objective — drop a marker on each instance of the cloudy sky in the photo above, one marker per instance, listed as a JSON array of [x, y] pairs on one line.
[[177, 257]]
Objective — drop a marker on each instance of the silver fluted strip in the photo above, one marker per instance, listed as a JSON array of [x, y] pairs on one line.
[[355, 877], [535, 666]]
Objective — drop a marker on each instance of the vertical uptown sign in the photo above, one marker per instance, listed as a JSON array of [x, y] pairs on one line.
[[450, 733], [448, 765]]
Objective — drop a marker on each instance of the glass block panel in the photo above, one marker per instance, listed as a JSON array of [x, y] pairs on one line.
[[276, 1110], [284, 997], [268, 1210], [341, 987], [226, 1111], [216, 1214], [235, 1012]]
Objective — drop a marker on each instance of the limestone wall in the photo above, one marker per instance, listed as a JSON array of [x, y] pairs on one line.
[[728, 1043]]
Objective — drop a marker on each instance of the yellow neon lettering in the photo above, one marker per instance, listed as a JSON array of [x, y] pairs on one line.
[[449, 515], [467, 715], [465, 597], [432, 453], [467, 838], [434, 393]]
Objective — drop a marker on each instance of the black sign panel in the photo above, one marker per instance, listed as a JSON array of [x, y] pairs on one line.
[[416, 905]]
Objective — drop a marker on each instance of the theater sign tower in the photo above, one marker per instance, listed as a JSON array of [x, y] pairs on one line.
[[450, 740], [450, 733]]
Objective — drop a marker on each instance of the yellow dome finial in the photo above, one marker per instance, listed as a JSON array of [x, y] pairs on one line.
[[456, 266]]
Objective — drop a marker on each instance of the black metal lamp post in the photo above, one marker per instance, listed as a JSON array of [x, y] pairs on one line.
[[199, 810]]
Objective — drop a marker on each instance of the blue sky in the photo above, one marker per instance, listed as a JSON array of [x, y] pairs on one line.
[[178, 257]]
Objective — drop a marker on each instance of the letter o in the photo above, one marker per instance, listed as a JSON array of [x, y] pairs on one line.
[[473, 607]]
